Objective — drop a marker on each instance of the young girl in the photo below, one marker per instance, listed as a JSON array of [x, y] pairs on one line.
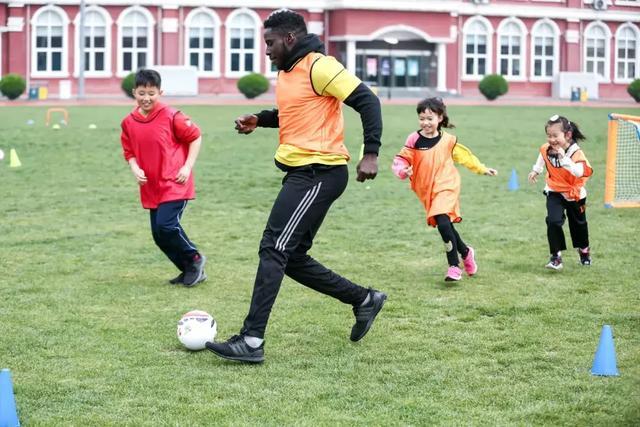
[[567, 172], [428, 159]]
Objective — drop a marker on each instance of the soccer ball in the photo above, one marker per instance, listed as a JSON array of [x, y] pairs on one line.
[[195, 328]]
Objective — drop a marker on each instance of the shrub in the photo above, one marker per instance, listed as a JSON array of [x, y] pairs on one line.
[[253, 84], [128, 83], [493, 86], [12, 86], [634, 89]]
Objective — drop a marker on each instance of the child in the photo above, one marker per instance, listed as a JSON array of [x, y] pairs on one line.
[[567, 172], [428, 159], [161, 146]]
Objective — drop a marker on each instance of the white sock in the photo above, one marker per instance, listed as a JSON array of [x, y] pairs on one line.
[[253, 342], [366, 300]]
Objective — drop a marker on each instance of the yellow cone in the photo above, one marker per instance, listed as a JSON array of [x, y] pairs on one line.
[[14, 161]]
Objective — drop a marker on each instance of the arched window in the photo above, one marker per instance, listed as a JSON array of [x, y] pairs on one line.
[[596, 50], [544, 50], [243, 27], [202, 45], [511, 47], [49, 44], [135, 40], [627, 53], [477, 47], [97, 42]]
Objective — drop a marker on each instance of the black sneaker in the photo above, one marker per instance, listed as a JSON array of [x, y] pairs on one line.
[[366, 314], [555, 263], [585, 257], [194, 271], [237, 349], [178, 280]]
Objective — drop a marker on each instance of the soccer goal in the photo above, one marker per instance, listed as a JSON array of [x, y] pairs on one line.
[[622, 180]]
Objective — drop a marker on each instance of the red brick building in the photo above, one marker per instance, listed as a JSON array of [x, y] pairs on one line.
[[413, 46]]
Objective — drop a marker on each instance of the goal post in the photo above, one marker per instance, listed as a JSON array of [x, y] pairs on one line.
[[622, 178]]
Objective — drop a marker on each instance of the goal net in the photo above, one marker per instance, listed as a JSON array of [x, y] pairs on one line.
[[622, 181]]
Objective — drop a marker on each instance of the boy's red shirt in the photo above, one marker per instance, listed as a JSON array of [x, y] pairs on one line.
[[160, 144]]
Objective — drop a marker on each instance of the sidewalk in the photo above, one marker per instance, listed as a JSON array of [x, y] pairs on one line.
[[269, 99]]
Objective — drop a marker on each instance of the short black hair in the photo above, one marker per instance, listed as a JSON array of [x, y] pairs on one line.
[[286, 21], [146, 77]]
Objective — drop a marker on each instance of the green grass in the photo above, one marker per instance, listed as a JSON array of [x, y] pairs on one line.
[[87, 323]]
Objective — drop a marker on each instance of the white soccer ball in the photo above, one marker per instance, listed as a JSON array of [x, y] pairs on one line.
[[195, 328]]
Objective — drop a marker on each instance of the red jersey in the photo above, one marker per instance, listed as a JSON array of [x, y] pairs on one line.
[[160, 144]]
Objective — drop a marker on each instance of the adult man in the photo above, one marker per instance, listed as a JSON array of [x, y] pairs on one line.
[[310, 90]]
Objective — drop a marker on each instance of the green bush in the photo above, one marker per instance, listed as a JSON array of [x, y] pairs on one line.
[[634, 89], [128, 84], [12, 86], [253, 84], [493, 86]]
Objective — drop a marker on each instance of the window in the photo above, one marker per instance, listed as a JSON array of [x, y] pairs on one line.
[[97, 42], [202, 46], [596, 55], [49, 44], [544, 41], [135, 40], [627, 58], [477, 46], [242, 42], [511, 49]]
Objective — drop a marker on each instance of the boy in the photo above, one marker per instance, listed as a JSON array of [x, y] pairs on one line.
[[161, 146]]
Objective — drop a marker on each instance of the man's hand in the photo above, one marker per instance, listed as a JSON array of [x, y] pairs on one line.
[[367, 167], [246, 123], [183, 174]]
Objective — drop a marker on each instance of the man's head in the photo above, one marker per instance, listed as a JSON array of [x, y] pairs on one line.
[[147, 90], [282, 29]]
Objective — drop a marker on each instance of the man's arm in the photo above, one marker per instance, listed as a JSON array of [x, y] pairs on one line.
[[268, 119], [367, 104], [247, 123]]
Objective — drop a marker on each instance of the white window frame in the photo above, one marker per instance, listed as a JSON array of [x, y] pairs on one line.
[[522, 57], [108, 22], [466, 30], [556, 50], [256, 45], [215, 50], [634, 29], [64, 50], [150, 39], [607, 50]]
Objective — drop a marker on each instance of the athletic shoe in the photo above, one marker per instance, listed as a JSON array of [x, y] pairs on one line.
[[366, 314], [237, 349], [200, 280], [454, 274], [585, 256], [555, 263], [178, 280], [194, 271], [469, 262]]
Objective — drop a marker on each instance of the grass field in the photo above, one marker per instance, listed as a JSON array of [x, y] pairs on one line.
[[87, 321]]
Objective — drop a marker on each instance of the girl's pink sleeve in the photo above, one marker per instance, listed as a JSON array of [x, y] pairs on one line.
[[398, 167], [402, 160]]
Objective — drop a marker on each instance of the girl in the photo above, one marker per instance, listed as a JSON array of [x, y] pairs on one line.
[[567, 172], [428, 159]]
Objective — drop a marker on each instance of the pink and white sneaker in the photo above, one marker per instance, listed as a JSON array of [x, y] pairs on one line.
[[469, 262], [454, 274]]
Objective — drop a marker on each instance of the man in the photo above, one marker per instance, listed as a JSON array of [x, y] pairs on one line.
[[309, 93]]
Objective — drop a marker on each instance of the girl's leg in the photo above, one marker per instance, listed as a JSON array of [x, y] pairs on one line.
[[576, 212], [449, 238], [463, 249], [555, 221]]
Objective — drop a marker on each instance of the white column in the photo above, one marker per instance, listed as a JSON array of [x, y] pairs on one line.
[[442, 68], [351, 56]]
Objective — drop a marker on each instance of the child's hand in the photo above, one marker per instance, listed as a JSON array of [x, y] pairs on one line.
[[408, 171], [138, 173], [183, 174], [533, 177], [491, 172]]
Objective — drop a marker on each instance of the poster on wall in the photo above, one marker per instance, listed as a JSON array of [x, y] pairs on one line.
[[413, 67], [372, 67], [385, 67], [399, 67]]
